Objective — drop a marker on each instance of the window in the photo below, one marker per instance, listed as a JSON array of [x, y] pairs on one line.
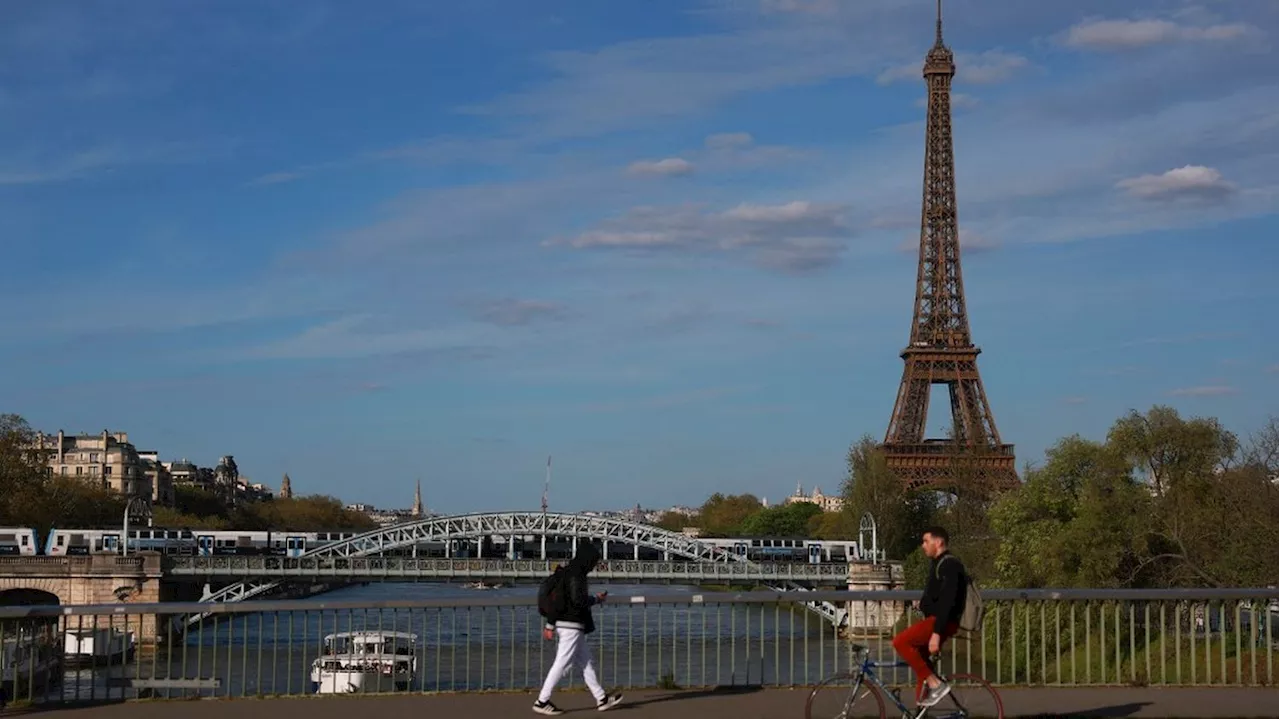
[[79, 471], [107, 470]]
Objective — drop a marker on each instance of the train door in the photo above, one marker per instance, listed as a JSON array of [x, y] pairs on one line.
[[740, 549], [204, 545], [110, 543], [815, 553], [294, 546]]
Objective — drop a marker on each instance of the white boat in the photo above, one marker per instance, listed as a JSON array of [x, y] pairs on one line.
[[365, 661], [98, 645]]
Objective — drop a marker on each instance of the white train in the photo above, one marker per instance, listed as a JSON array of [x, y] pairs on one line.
[[18, 541], [791, 549], [220, 542], [188, 542]]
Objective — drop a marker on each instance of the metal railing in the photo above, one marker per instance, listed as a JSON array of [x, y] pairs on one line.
[[365, 568], [486, 642]]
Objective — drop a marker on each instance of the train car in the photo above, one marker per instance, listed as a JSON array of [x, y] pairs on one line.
[[18, 541], [188, 542], [788, 549]]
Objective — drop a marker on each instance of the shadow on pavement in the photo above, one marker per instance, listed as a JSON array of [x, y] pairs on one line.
[[693, 694], [1117, 710]]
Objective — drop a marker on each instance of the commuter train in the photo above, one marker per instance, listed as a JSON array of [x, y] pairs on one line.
[[222, 542]]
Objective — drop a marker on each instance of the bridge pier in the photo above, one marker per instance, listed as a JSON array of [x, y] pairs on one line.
[[98, 580], [874, 618]]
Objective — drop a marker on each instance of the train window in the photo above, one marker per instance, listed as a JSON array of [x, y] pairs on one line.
[[25, 540]]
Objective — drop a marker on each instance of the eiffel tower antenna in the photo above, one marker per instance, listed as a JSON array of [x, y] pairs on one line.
[[940, 349], [546, 485]]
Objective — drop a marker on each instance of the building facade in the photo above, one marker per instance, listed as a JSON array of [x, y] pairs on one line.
[[107, 460], [827, 502]]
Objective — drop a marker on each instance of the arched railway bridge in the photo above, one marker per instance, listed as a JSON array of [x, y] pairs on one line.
[[510, 526]]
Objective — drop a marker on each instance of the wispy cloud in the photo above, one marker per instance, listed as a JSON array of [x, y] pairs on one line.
[[1124, 34], [984, 68], [667, 167], [796, 236], [509, 312], [1203, 391]]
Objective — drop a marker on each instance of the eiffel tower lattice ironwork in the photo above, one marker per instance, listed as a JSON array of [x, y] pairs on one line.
[[941, 349]]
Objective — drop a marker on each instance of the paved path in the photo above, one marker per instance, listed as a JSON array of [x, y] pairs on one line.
[[723, 704]]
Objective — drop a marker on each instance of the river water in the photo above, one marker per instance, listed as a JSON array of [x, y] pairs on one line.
[[472, 648]]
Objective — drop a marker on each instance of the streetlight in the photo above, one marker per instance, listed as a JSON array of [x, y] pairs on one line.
[[136, 506]]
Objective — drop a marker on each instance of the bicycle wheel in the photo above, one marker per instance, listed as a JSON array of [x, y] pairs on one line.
[[971, 697], [836, 698]]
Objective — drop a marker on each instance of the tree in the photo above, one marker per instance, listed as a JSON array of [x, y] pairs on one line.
[[900, 514], [1166, 449], [786, 520], [722, 516], [676, 521], [1074, 522], [834, 525]]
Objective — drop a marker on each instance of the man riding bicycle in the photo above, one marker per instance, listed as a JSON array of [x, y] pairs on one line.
[[942, 606]]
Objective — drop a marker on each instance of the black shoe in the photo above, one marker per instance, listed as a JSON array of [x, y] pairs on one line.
[[546, 708], [608, 702]]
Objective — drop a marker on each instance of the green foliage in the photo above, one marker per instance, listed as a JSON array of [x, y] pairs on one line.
[[900, 515], [722, 516], [785, 520]]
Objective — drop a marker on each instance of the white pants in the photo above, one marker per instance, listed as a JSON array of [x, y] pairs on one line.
[[573, 649]]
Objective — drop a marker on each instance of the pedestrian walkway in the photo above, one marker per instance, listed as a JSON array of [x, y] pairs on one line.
[[729, 703]]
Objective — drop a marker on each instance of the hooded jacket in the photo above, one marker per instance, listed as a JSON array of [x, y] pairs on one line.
[[578, 601]]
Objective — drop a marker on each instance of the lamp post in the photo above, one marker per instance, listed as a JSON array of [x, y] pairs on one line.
[[867, 525], [136, 506]]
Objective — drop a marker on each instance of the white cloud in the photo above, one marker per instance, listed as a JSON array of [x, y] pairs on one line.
[[1203, 391], [795, 236], [667, 167], [1102, 34], [1188, 181]]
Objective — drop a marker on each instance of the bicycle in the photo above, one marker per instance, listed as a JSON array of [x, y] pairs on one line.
[[971, 695]]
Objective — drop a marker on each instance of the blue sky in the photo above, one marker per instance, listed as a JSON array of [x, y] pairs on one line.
[[669, 243]]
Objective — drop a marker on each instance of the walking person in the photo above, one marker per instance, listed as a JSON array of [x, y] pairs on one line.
[[570, 620], [942, 605]]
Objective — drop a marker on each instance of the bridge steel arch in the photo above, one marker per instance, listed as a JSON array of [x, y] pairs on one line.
[[484, 524]]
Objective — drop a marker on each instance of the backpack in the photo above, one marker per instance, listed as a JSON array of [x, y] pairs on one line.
[[971, 618], [551, 595]]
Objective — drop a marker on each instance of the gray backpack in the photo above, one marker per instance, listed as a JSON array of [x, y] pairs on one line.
[[971, 618]]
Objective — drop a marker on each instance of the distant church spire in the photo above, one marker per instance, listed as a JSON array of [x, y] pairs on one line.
[[286, 488], [417, 500]]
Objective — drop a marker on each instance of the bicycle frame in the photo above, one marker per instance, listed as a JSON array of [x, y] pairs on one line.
[[867, 672]]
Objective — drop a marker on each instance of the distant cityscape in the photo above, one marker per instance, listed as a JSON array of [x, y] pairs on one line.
[[111, 461]]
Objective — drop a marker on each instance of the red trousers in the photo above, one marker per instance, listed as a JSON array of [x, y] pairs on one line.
[[913, 646]]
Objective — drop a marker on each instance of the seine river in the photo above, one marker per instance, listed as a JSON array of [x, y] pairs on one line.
[[465, 647]]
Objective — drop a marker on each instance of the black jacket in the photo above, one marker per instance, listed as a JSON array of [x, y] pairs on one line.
[[578, 600], [944, 593]]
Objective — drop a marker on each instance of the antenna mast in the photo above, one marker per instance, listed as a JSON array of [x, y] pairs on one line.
[[546, 486]]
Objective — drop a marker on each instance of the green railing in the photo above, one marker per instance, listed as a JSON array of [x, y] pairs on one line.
[[266, 648]]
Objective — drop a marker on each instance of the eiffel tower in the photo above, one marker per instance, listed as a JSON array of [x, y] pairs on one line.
[[941, 350]]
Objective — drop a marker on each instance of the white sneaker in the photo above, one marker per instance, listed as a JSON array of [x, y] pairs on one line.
[[546, 708], [608, 702]]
